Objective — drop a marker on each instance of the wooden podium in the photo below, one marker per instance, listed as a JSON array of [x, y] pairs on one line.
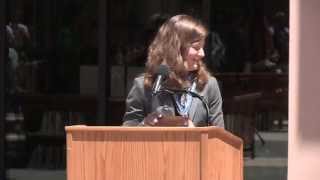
[[153, 153]]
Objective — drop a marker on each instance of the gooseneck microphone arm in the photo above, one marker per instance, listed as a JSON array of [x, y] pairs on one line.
[[193, 94], [161, 73]]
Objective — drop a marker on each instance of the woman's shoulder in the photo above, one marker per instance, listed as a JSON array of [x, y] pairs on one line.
[[212, 80], [139, 78], [138, 81], [212, 84], [212, 89]]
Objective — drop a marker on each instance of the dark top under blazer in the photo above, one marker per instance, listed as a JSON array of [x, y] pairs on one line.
[[140, 103]]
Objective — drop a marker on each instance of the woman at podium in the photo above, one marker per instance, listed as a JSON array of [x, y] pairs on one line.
[[176, 89]]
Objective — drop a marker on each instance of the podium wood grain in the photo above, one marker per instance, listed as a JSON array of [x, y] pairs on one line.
[[152, 153]]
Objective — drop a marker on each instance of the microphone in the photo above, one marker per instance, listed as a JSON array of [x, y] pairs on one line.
[[162, 73]]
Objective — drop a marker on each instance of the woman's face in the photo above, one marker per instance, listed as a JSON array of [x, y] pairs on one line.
[[193, 55]]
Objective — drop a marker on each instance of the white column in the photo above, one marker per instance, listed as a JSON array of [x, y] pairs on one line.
[[304, 90]]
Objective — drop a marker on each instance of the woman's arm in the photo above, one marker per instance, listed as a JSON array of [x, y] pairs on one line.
[[215, 104], [135, 113]]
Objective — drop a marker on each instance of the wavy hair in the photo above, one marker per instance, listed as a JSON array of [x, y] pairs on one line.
[[168, 46]]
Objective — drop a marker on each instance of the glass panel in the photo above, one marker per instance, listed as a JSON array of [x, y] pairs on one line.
[[52, 73], [249, 57], [246, 50], [52, 82]]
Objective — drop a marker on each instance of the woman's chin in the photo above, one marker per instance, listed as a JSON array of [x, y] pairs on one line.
[[193, 67]]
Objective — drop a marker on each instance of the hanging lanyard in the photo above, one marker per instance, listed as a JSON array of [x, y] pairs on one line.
[[184, 101]]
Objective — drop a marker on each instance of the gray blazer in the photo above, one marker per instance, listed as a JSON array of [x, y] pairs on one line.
[[140, 103]]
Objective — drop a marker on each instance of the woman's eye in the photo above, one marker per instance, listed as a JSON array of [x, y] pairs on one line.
[[197, 47]]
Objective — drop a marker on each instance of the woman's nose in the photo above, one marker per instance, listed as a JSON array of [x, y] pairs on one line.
[[201, 52]]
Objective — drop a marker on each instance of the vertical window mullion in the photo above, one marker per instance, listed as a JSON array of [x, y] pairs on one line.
[[3, 57], [103, 65]]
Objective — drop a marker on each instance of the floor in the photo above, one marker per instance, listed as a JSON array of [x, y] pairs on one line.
[[271, 159]]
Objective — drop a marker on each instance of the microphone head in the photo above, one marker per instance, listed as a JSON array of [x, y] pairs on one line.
[[163, 71]]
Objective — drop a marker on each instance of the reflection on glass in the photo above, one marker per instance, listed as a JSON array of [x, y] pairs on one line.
[[52, 73], [48, 44]]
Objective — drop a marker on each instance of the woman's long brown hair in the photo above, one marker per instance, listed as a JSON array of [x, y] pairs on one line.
[[171, 41]]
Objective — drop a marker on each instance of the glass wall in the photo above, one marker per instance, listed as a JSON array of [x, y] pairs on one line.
[[246, 50], [51, 81], [54, 59]]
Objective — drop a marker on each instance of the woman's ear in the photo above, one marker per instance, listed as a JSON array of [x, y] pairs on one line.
[[184, 51]]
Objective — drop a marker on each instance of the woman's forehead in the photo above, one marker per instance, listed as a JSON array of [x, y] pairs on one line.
[[198, 42]]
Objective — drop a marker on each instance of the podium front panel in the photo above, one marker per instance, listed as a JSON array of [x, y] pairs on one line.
[[141, 155]]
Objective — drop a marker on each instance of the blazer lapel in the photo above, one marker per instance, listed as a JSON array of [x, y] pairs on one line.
[[193, 108]]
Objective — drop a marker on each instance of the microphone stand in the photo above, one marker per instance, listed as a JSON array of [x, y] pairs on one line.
[[193, 94]]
